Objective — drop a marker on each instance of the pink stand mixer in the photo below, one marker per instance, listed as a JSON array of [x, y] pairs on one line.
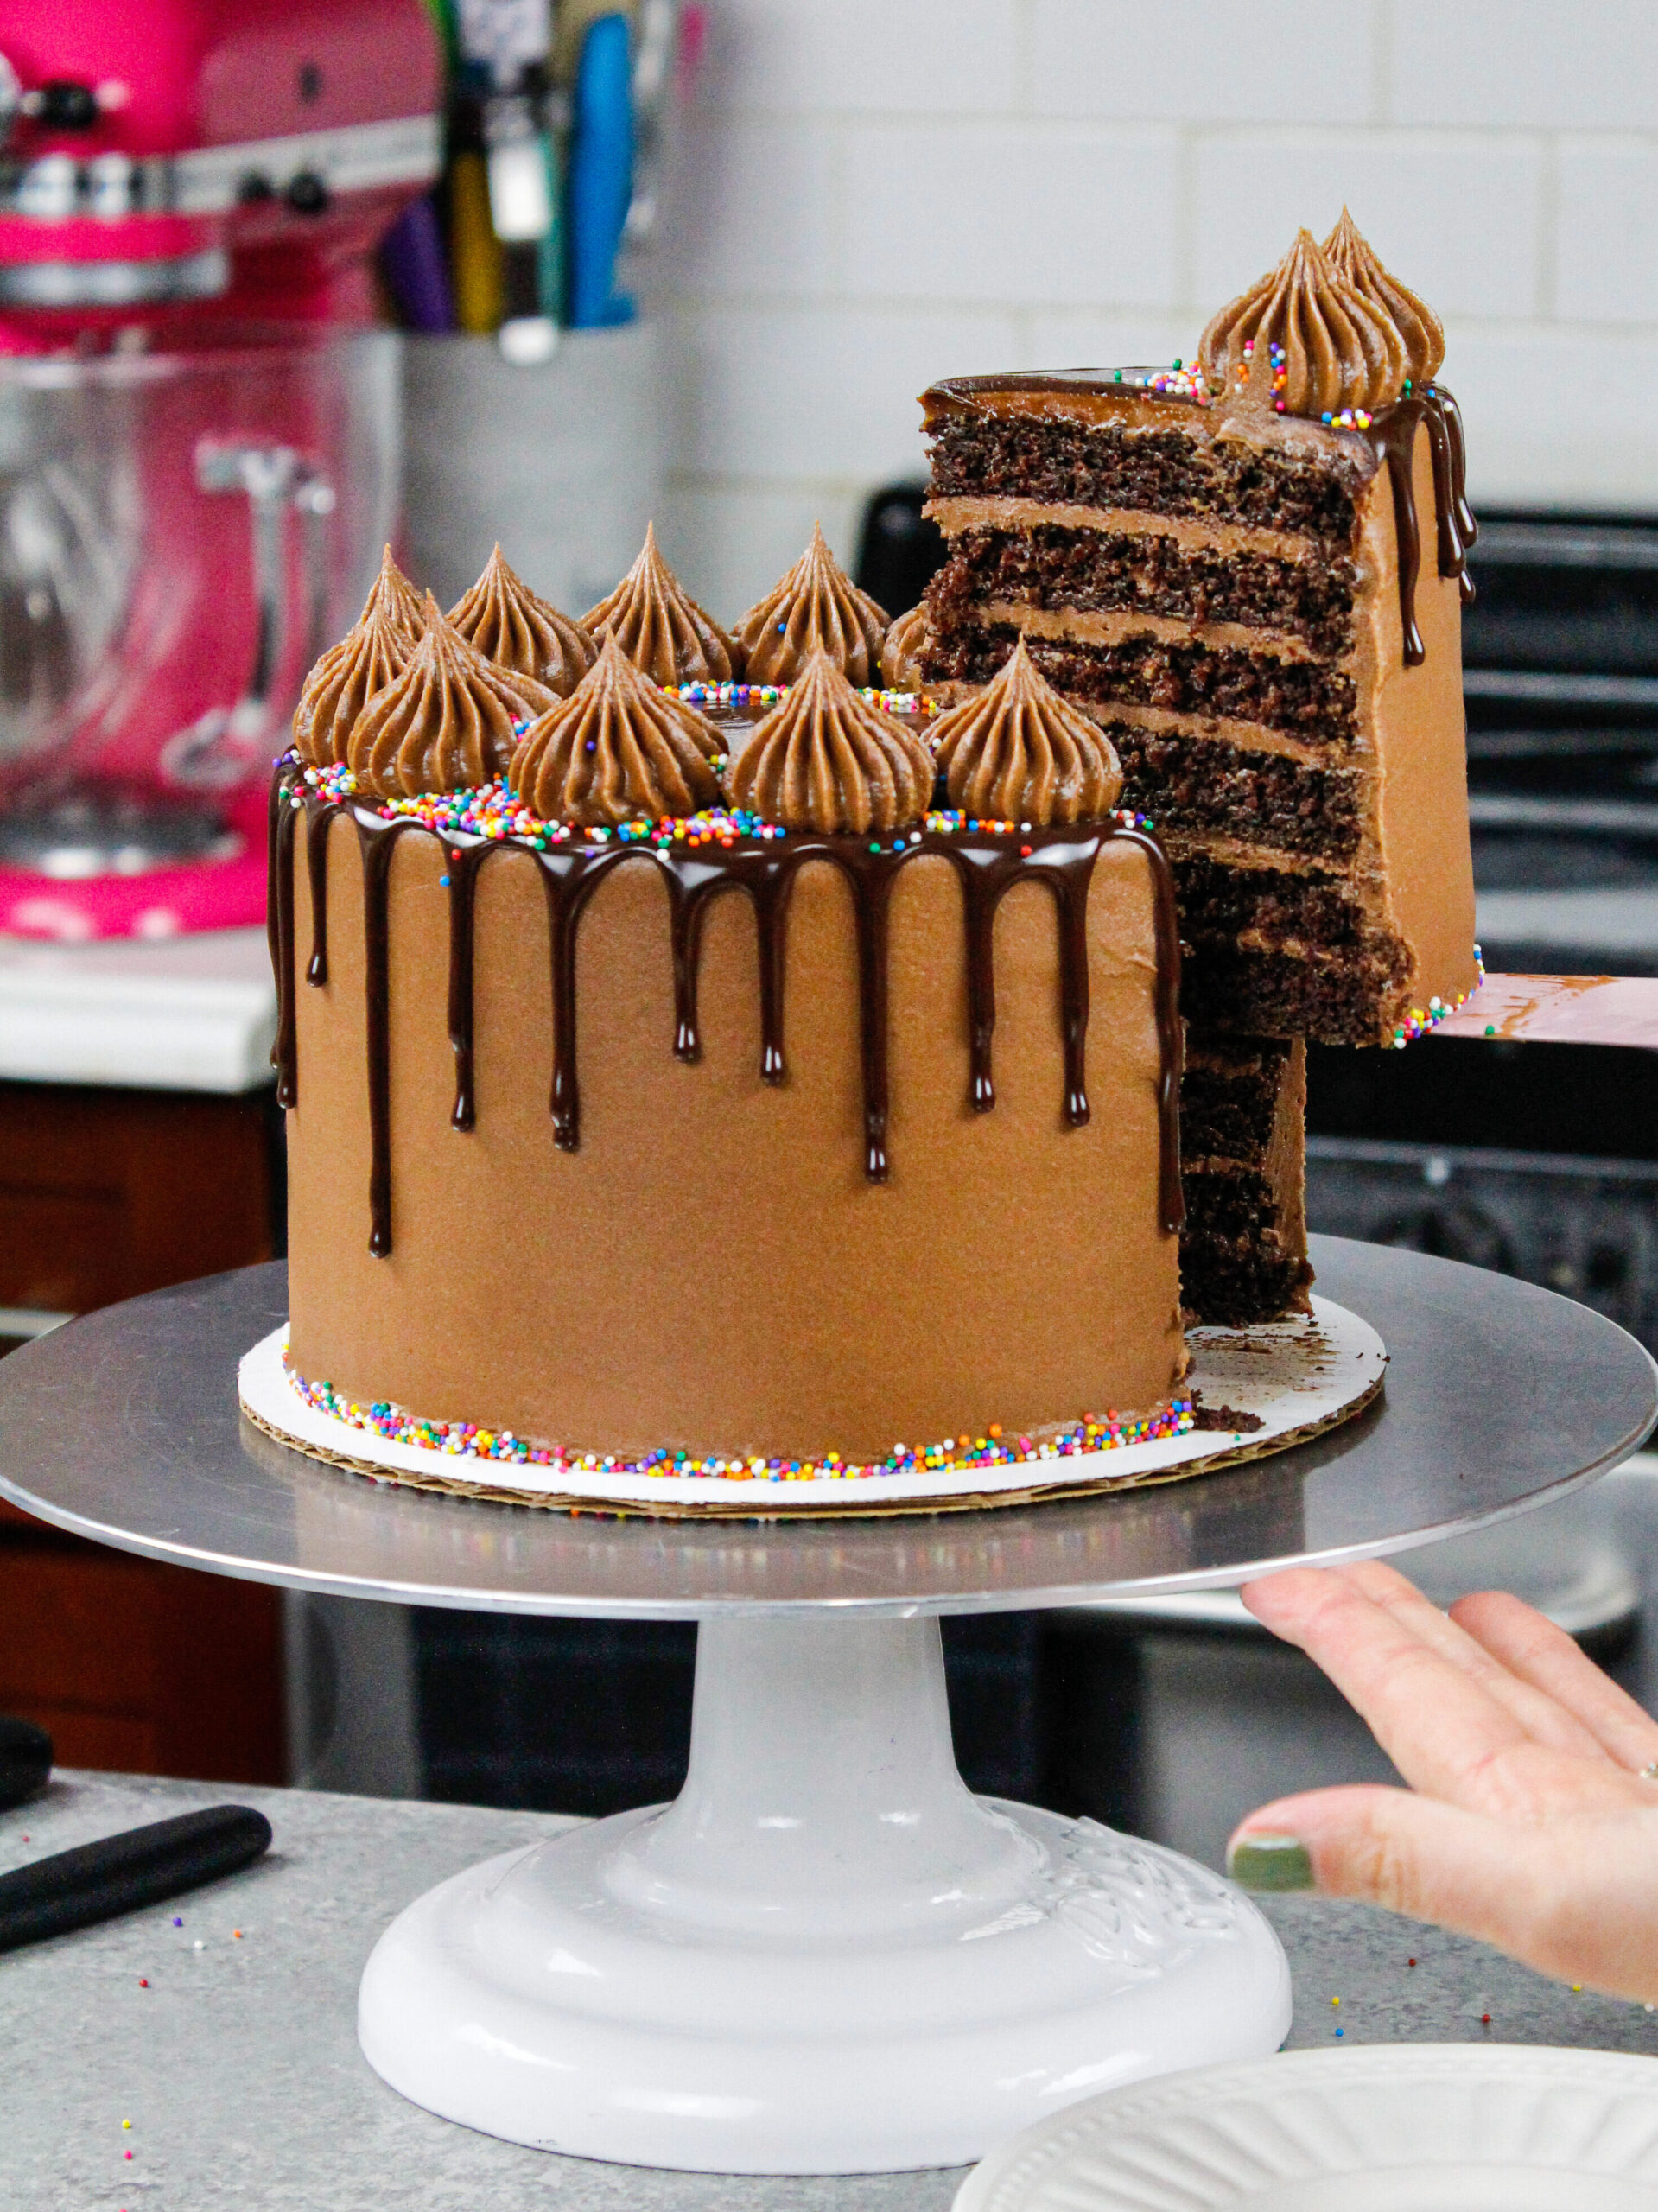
[[200, 425]]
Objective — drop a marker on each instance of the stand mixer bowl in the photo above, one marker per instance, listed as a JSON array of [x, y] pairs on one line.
[[180, 535]]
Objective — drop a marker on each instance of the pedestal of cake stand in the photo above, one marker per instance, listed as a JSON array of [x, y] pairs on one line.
[[826, 1956]]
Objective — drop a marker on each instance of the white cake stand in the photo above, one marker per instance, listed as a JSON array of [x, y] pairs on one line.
[[826, 1955]]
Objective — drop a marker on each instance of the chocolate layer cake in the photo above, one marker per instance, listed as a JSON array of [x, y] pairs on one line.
[[1249, 570], [877, 1150]]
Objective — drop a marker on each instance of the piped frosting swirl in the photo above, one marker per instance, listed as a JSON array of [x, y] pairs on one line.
[[618, 747], [1017, 751], [1420, 331], [367, 659], [395, 599], [445, 723], [816, 607], [1304, 341], [827, 761], [901, 649], [660, 627], [508, 625]]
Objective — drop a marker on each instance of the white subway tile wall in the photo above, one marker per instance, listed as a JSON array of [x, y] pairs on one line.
[[870, 193]]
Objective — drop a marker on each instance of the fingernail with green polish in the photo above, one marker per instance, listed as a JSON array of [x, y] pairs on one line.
[[1270, 1862]]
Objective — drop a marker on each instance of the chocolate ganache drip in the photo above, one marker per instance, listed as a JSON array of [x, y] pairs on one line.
[[816, 609], [618, 748], [1019, 752], [989, 864], [901, 651], [827, 761], [508, 625], [1333, 349], [446, 723], [660, 627]]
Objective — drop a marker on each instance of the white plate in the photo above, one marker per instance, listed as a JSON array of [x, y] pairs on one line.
[[1382, 2127], [1295, 1378]]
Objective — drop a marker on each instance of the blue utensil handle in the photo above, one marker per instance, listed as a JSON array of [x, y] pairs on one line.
[[601, 175]]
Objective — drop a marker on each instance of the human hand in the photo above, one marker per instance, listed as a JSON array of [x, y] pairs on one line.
[[1528, 1822]]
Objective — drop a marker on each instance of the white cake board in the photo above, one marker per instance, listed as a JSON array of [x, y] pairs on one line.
[[1295, 1377], [826, 1956]]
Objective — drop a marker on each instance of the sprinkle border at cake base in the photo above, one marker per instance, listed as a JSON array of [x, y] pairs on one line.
[[1251, 1391]]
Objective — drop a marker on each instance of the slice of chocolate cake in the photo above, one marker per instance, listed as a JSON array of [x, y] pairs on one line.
[[1243, 1251], [1249, 570]]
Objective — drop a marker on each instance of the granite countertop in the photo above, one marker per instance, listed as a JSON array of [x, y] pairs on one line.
[[238, 2068]]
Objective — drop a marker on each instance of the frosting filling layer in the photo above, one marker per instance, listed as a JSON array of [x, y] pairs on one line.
[[1303, 606], [1304, 700], [957, 517]]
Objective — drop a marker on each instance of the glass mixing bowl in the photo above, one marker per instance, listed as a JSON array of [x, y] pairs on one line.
[[180, 533]]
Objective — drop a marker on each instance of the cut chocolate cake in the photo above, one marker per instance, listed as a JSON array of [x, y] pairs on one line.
[[1223, 565], [592, 1011]]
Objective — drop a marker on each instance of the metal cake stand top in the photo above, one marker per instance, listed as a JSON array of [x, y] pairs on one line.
[[124, 1427]]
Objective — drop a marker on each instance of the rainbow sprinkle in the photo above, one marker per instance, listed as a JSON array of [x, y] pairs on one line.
[[493, 812], [1419, 1020], [772, 695], [950, 821], [1184, 380], [956, 1455]]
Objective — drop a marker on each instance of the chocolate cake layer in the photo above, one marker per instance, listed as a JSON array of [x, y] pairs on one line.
[[1193, 784], [1303, 699], [1304, 909], [1229, 1096], [1171, 470], [1243, 1281], [1329, 998], [1243, 1249], [1051, 566]]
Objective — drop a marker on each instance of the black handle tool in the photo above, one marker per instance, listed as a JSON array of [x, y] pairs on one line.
[[98, 1881], [25, 1760]]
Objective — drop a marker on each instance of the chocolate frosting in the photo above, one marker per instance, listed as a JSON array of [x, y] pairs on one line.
[[662, 632], [989, 863], [617, 749], [825, 760], [395, 599], [1017, 752], [1419, 329], [900, 653], [508, 625], [366, 659], [816, 609], [1338, 350], [446, 721]]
